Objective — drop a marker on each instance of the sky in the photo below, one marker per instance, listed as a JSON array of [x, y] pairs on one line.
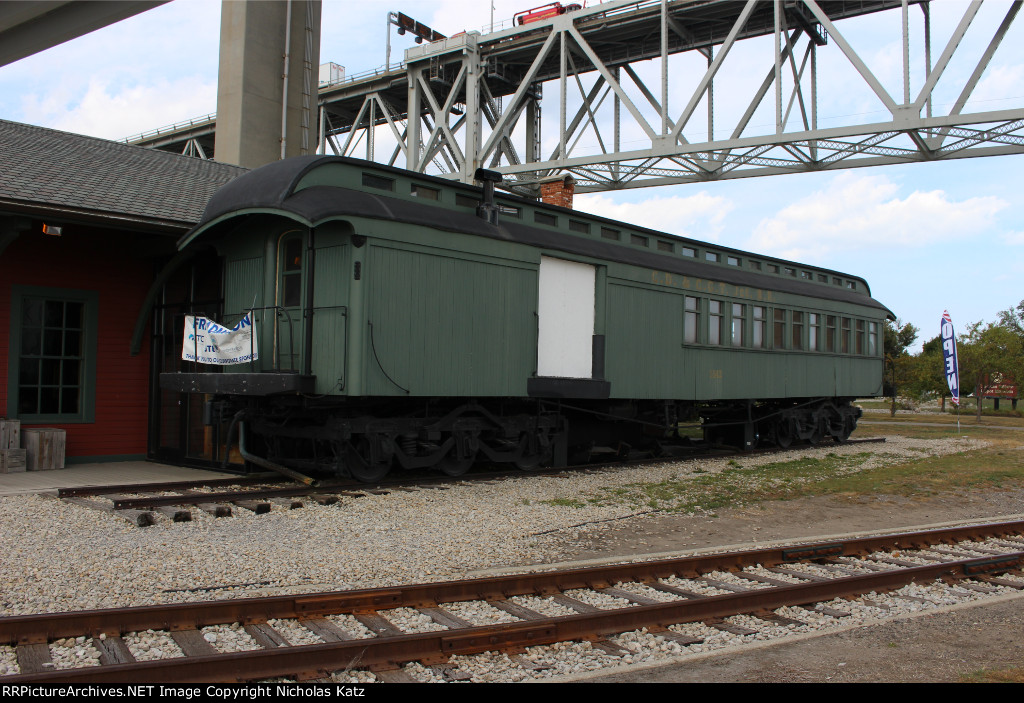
[[927, 237]]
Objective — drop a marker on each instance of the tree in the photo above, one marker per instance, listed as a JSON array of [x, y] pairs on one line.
[[988, 349], [899, 363], [929, 371]]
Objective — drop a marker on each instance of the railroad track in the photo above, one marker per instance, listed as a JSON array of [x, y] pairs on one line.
[[176, 501], [427, 630]]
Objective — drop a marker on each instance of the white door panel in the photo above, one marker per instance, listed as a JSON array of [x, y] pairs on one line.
[[566, 325]]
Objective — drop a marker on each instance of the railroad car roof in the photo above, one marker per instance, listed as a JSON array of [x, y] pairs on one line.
[[295, 188]]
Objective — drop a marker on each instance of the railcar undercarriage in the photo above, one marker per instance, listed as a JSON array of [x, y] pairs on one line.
[[367, 440]]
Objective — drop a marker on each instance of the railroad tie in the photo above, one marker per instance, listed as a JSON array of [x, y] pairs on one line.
[[774, 618], [266, 636], [795, 574], [378, 624], [192, 643], [1001, 582], [34, 658], [257, 506], [725, 585], [113, 650], [674, 590], [521, 612], [577, 605], [628, 595], [287, 503], [394, 676], [445, 618], [215, 509], [730, 627], [326, 630], [174, 514]]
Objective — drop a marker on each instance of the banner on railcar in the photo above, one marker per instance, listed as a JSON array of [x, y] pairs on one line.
[[949, 357], [207, 342]]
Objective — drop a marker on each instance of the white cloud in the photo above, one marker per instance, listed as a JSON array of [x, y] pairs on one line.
[[1014, 238], [855, 212], [114, 111], [699, 216]]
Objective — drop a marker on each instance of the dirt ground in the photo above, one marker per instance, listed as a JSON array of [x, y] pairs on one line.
[[940, 647]]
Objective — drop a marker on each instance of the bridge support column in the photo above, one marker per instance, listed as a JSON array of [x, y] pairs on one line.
[[266, 106]]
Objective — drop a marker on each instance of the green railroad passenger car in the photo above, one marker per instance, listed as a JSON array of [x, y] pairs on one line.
[[409, 321]]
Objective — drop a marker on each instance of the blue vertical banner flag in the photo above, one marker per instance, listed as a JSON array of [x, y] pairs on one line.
[[949, 357]]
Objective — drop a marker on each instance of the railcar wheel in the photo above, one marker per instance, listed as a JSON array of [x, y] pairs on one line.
[[453, 466], [784, 433], [364, 467], [849, 425]]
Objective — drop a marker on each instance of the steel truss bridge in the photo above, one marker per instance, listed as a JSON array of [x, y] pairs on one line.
[[661, 92]]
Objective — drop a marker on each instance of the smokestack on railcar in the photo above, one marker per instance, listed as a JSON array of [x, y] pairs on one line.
[[488, 209]]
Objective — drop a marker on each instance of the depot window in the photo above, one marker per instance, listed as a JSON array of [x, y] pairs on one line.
[[52, 368]]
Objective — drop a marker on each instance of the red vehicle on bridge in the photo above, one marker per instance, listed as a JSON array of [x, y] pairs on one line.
[[545, 12]]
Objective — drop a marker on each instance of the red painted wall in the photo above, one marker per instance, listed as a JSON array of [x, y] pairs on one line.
[[103, 261]]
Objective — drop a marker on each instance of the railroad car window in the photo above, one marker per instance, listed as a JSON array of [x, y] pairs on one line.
[[773, 268], [425, 192], [852, 285], [373, 181], [822, 278], [779, 338], [291, 276], [690, 251], [798, 330], [577, 226], [464, 200], [837, 281], [830, 333], [844, 336], [859, 338], [691, 320], [807, 275], [609, 233], [873, 338], [757, 341], [733, 261], [714, 322], [755, 265], [739, 319], [812, 331], [712, 256], [545, 218], [664, 246], [789, 271], [509, 211], [637, 240]]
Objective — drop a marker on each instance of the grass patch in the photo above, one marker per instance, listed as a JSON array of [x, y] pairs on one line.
[[850, 476], [1012, 675]]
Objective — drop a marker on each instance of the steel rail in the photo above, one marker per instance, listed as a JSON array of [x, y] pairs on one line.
[[314, 660], [29, 629]]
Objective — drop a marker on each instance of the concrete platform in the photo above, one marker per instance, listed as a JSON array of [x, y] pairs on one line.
[[100, 474]]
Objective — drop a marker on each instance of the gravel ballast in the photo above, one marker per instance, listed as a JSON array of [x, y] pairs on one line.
[[56, 556]]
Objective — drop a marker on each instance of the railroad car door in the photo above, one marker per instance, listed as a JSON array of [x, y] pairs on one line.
[[565, 308], [289, 294]]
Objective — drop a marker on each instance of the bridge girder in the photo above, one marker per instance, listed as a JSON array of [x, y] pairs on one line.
[[623, 123]]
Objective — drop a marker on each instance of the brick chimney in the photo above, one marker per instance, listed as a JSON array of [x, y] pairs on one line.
[[558, 190]]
